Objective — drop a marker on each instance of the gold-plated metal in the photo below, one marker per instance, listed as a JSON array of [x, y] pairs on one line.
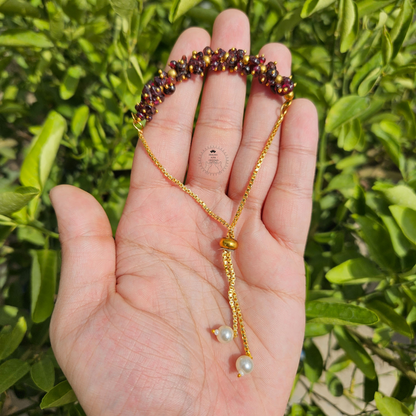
[[246, 59], [228, 243], [172, 74], [237, 315], [278, 79], [207, 60], [263, 69]]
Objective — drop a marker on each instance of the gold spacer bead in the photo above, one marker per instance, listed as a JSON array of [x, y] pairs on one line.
[[160, 71], [290, 96], [191, 68], [225, 57], [279, 79], [263, 69], [181, 61], [172, 73], [207, 60], [228, 243], [246, 59], [290, 76], [285, 90], [183, 77], [201, 74], [294, 85], [194, 52], [279, 90]]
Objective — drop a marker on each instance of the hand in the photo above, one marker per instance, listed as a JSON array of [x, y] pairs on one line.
[[132, 324]]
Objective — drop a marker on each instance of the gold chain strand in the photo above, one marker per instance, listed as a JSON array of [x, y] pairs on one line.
[[283, 111], [226, 255]]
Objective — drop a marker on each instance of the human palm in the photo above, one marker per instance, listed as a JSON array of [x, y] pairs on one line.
[[132, 324]]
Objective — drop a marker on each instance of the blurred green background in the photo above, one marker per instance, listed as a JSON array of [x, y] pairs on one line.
[[70, 73]]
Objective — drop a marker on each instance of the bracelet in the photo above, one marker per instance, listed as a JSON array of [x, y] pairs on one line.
[[235, 60], [153, 94]]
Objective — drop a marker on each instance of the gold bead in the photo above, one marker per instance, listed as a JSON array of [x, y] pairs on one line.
[[228, 243], [225, 57], [263, 68], [207, 60], [290, 96], [278, 79], [285, 90], [194, 52], [172, 73], [246, 59], [191, 68]]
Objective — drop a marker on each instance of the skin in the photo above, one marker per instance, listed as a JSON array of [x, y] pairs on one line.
[[132, 324]]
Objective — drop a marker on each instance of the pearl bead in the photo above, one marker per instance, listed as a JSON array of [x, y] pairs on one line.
[[224, 334], [244, 365]]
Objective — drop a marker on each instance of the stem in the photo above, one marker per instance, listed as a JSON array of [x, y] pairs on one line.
[[41, 229], [386, 356], [22, 411], [321, 164]]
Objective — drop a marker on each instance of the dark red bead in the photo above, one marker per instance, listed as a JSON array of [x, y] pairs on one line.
[[221, 53], [173, 64], [262, 60], [222, 66], [271, 65], [169, 90], [287, 83], [140, 115], [240, 66], [240, 54], [257, 70], [232, 60], [262, 79], [207, 51], [146, 94], [214, 65], [275, 88], [246, 69], [254, 60]]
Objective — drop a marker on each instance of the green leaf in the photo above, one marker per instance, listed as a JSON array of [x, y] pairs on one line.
[[367, 7], [348, 23], [387, 132], [345, 109], [388, 406], [11, 372], [354, 271], [403, 388], [368, 82], [95, 129], [43, 374], [43, 282], [390, 317], [24, 38], [313, 330], [370, 387], [59, 395], [14, 201], [297, 410], [400, 243], [20, 8], [334, 384], [313, 363], [339, 313], [350, 135], [124, 7], [180, 7], [9, 341], [38, 162], [341, 363], [355, 351], [312, 6], [397, 195], [378, 242], [70, 83], [79, 120], [386, 46], [406, 219], [401, 26]]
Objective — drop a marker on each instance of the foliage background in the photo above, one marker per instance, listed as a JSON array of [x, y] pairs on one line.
[[70, 72]]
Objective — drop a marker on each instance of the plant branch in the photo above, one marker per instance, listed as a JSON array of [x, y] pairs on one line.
[[386, 356]]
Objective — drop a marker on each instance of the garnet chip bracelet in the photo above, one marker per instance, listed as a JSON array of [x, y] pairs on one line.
[[235, 60]]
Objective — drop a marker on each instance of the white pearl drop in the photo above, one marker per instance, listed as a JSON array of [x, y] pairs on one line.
[[244, 365], [225, 334]]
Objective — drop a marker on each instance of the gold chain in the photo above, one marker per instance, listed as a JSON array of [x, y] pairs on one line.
[[226, 254]]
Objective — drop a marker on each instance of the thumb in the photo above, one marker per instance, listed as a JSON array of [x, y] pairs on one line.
[[88, 255]]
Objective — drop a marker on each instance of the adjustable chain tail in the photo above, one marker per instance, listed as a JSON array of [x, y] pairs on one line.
[[233, 300]]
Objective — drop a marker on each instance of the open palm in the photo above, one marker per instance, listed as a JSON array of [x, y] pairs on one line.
[[132, 324]]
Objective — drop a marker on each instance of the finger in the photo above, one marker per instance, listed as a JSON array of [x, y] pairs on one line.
[[88, 253], [288, 206], [169, 133], [263, 109], [220, 119]]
